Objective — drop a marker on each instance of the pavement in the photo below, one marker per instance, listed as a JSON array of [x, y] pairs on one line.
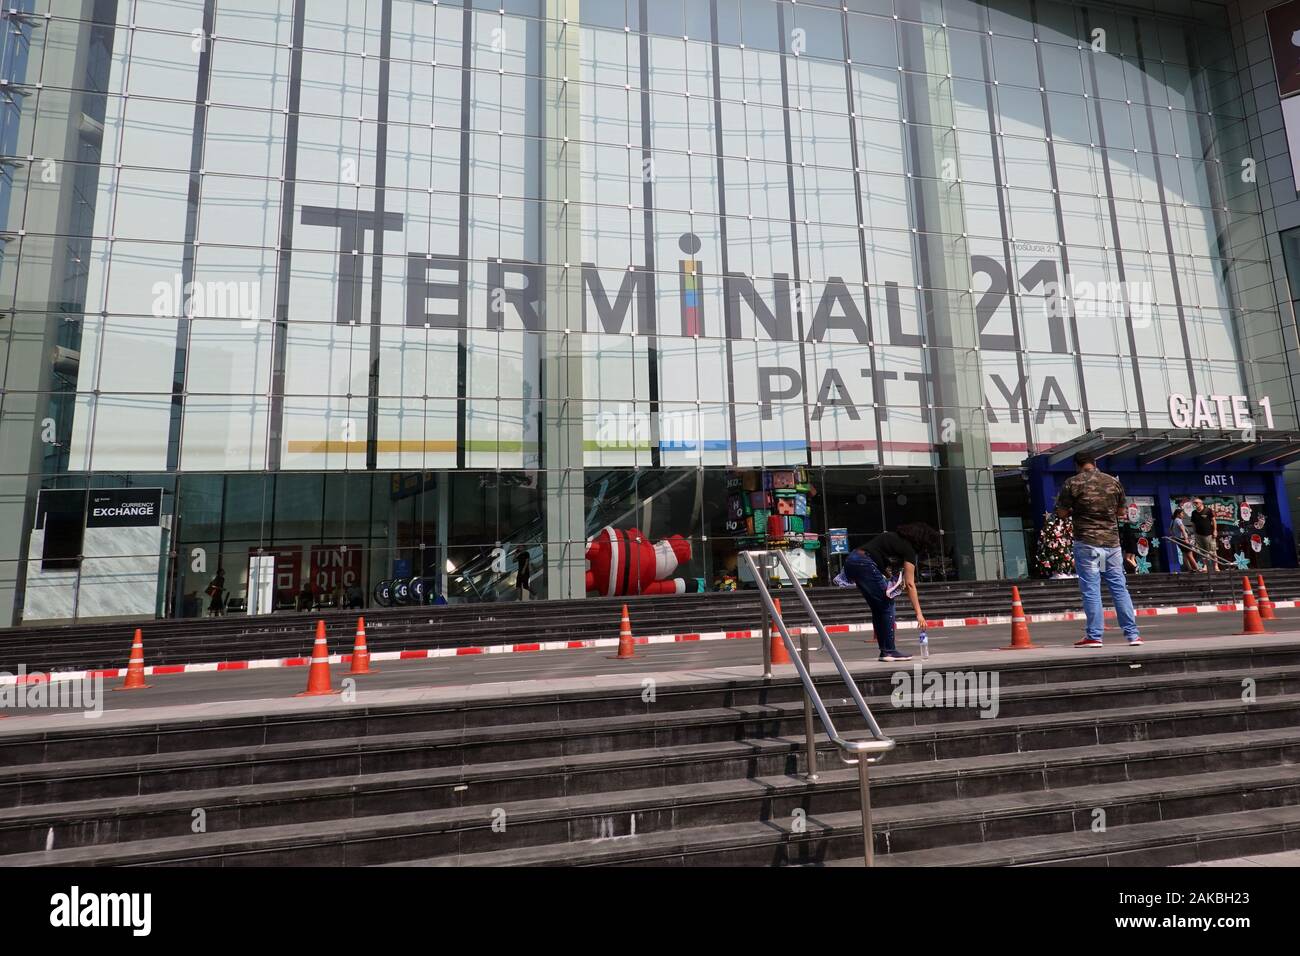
[[271, 691]]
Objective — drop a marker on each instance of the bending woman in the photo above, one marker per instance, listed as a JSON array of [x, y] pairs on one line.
[[867, 566]]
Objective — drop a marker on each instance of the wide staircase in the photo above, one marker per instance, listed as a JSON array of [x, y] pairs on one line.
[[1154, 756], [80, 646]]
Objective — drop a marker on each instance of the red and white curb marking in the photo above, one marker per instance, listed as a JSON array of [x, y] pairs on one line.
[[947, 623]]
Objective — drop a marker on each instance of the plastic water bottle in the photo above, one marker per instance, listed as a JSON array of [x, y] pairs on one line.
[[924, 641]]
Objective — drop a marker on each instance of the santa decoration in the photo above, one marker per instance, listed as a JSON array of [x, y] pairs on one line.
[[623, 561]]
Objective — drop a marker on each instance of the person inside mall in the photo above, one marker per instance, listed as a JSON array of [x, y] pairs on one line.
[[1095, 501], [1183, 539], [892, 553], [1203, 534], [216, 592]]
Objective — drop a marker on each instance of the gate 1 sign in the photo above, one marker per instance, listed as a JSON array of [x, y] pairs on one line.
[[335, 566], [1216, 411]]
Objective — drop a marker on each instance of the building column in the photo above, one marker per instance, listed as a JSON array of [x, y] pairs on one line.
[[967, 490], [562, 380], [33, 441]]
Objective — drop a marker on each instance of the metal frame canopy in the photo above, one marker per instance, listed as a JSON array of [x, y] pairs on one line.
[[1195, 448]]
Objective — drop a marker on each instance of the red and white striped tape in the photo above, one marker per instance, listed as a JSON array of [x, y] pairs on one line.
[[375, 656]]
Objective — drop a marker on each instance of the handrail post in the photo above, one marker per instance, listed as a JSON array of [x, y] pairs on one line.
[[812, 700], [864, 795], [811, 740], [767, 640]]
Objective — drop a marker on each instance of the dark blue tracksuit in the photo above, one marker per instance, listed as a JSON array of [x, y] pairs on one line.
[[861, 569]]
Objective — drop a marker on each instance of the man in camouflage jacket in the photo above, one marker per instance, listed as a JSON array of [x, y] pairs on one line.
[[1095, 501]]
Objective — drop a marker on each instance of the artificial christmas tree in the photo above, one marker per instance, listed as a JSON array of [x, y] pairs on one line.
[[1055, 556]]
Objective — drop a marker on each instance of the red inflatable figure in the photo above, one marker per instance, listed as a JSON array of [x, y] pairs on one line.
[[625, 562]]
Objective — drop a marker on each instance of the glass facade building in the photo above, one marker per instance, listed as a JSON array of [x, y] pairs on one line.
[[388, 289]]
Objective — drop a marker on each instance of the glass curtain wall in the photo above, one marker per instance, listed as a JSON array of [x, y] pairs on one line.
[[405, 287]]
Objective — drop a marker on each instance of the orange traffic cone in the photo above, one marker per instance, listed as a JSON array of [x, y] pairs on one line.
[[778, 652], [318, 675], [1265, 604], [1019, 625], [1250, 620], [626, 645], [360, 653], [135, 666]]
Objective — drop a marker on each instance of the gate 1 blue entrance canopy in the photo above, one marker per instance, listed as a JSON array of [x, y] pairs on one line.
[[1171, 464]]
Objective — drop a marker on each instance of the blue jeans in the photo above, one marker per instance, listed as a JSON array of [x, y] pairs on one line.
[[862, 571], [1093, 565]]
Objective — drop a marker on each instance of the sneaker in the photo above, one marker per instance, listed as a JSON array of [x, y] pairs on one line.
[[892, 656], [840, 581], [1135, 641], [1088, 642], [895, 586]]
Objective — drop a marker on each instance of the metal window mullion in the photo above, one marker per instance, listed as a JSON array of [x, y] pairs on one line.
[[1219, 202], [377, 271], [1064, 278], [462, 246], [722, 227], [794, 233], [279, 342], [184, 328], [1134, 365], [1001, 189], [648, 218], [858, 172], [1164, 214]]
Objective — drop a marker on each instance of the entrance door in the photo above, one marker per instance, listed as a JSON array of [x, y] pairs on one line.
[[261, 583], [1241, 528]]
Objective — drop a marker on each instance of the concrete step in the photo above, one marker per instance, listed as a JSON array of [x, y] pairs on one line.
[[1116, 669], [706, 773], [1057, 822], [493, 768], [575, 828], [597, 784], [521, 727]]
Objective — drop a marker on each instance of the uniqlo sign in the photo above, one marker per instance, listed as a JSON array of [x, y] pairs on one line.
[[335, 566]]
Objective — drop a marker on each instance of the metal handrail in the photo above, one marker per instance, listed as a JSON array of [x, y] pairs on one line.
[[864, 752], [1191, 547]]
